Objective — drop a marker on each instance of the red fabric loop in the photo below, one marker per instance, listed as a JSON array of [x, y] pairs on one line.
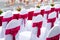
[[13, 31]]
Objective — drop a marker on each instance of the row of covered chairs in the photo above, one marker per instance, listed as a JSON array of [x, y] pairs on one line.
[[40, 21]]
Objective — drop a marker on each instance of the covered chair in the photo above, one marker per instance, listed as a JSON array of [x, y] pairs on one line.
[[6, 19], [54, 33], [12, 30]]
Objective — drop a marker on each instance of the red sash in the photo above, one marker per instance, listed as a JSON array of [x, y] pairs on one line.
[[35, 14], [12, 31], [39, 25], [6, 19]]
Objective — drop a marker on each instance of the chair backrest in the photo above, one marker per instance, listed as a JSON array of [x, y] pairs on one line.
[[37, 18], [31, 9], [23, 11], [6, 18], [15, 12], [8, 14], [57, 6], [47, 8], [37, 10], [14, 26]]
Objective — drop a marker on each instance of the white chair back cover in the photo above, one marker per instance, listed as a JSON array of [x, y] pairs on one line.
[[52, 15], [8, 14], [23, 25], [54, 33], [36, 19], [12, 24]]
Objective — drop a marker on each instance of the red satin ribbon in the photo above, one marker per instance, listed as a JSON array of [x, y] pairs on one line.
[[38, 25], [30, 15], [24, 16], [16, 16], [13, 31], [6, 19], [54, 38], [1, 17], [51, 21]]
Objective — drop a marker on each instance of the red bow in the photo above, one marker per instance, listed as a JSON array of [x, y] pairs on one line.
[[39, 25], [16, 16], [1, 17], [52, 21], [53, 38], [30, 15], [13, 31], [24, 16]]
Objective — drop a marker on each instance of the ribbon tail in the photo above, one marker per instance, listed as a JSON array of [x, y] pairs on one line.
[[38, 33], [57, 14], [52, 25], [13, 37]]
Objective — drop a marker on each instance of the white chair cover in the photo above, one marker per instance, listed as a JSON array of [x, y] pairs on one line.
[[52, 16], [11, 25], [54, 33], [8, 14], [45, 29], [23, 21], [34, 29]]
